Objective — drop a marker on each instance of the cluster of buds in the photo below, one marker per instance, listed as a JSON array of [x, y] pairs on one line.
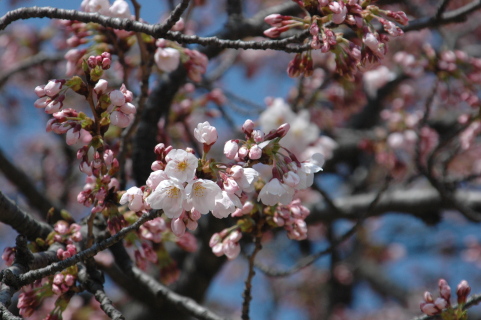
[[143, 254], [66, 233], [442, 304], [324, 15], [226, 243], [62, 283], [152, 230], [31, 298], [50, 96], [70, 251], [301, 64], [291, 217]]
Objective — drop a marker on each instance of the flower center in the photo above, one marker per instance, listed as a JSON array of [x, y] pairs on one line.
[[173, 192], [182, 166], [199, 190]]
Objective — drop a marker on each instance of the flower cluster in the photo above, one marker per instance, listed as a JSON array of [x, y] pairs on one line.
[[263, 172], [442, 304], [323, 17]]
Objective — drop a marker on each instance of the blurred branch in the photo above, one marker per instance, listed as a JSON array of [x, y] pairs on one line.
[[35, 198], [33, 61], [158, 290], [424, 203], [453, 16]]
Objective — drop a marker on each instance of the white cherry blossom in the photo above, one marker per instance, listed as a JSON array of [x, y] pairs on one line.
[[205, 133], [201, 195], [134, 196], [169, 196], [181, 165], [276, 192], [225, 204]]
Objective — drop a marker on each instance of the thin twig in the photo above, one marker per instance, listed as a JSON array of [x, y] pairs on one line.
[[174, 16], [248, 283]]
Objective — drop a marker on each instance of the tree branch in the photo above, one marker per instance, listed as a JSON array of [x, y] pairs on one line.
[[21, 221]]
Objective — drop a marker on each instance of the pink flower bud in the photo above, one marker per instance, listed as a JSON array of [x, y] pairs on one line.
[[463, 291], [42, 102], [255, 152], [214, 240], [429, 309], [119, 119], [248, 126], [230, 149], [283, 129], [69, 280], [128, 108], [274, 20], [101, 87], [243, 152], [52, 88], [167, 59], [40, 91], [272, 32], [117, 98], [178, 227]]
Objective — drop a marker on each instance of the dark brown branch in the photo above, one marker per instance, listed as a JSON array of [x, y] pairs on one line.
[[31, 276], [248, 283], [21, 221], [7, 315], [97, 289], [174, 16], [453, 16]]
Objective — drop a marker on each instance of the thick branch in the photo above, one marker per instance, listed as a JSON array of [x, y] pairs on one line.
[[21, 221]]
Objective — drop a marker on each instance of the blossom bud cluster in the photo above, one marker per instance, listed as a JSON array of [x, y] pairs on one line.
[[62, 283], [50, 96], [100, 171], [324, 15], [291, 217], [143, 254], [30, 298], [65, 233], [226, 243], [431, 306]]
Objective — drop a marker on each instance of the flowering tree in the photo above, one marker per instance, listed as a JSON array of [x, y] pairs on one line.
[[166, 172]]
